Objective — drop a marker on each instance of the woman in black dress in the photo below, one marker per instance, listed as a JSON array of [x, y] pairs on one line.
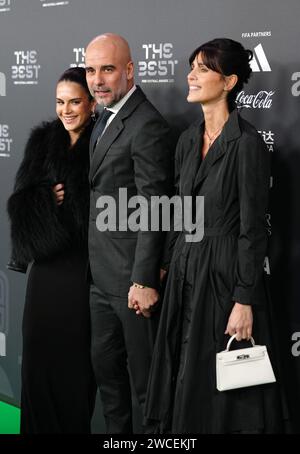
[[216, 287], [49, 211]]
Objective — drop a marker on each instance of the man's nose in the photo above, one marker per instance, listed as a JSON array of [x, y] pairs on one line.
[[98, 78]]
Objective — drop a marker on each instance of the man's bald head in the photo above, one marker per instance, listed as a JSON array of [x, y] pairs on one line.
[[116, 42], [109, 68]]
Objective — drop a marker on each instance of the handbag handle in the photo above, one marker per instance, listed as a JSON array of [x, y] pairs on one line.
[[233, 337]]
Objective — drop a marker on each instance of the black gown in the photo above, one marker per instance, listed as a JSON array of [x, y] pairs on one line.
[[205, 278], [58, 387]]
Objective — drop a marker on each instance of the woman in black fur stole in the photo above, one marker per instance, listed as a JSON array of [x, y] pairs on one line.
[[49, 211]]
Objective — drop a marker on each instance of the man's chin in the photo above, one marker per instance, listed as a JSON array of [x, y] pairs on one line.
[[102, 101]]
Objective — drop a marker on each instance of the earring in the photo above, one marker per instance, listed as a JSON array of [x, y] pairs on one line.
[[93, 116]]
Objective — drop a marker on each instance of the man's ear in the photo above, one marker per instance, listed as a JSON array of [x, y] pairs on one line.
[[130, 70]]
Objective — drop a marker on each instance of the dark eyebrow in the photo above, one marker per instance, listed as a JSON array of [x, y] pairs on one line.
[[198, 64], [73, 99], [103, 68], [108, 67]]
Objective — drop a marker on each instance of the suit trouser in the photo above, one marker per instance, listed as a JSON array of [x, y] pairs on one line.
[[120, 338]]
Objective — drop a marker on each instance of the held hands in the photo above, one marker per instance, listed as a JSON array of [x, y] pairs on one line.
[[240, 322], [142, 300], [162, 275], [59, 193]]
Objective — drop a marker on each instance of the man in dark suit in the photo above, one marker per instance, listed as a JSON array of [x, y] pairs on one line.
[[131, 151]]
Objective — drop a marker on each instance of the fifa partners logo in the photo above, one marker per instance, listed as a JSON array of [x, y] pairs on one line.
[[158, 213], [5, 5], [26, 69], [158, 63]]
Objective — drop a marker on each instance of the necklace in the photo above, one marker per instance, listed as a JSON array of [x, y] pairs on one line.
[[213, 136]]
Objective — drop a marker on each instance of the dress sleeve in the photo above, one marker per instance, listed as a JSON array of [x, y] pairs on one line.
[[253, 179], [152, 157], [172, 235]]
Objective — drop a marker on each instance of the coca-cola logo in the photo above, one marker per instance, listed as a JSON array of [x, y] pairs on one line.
[[262, 100]]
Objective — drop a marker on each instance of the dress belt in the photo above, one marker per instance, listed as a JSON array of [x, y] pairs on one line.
[[213, 231]]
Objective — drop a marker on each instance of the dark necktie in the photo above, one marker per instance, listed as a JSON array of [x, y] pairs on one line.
[[100, 126]]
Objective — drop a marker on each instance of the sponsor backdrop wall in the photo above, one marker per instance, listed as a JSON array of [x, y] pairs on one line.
[[40, 38]]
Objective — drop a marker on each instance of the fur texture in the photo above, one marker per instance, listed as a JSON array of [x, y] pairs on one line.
[[39, 227]]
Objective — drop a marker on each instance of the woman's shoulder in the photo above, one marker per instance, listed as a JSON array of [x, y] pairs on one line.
[[82, 144], [190, 134], [192, 131], [44, 129], [188, 137], [44, 140], [87, 131], [248, 130], [251, 141]]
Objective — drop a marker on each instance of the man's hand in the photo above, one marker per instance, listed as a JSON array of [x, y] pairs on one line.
[[240, 322], [162, 275], [142, 300], [59, 193]]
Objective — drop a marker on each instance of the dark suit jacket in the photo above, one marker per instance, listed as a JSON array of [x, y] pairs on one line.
[[133, 153]]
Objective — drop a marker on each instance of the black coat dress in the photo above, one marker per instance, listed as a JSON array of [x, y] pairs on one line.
[[205, 279], [57, 381]]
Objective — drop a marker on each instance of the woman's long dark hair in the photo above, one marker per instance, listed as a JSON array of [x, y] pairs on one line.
[[77, 75]]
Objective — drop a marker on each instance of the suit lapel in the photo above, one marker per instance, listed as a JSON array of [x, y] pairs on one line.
[[93, 137], [109, 136], [212, 156], [231, 131], [113, 130], [194, 160]]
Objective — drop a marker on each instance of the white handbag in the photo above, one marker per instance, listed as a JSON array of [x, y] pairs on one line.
[[244, 367]]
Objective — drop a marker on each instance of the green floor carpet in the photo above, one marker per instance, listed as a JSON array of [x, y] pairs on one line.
[[9, 419]]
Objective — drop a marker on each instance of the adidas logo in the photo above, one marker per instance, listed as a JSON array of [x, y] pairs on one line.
[[2, 85], [259, 61]]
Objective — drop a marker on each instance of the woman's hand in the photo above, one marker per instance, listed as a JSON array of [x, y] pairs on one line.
[[59, 193], [240, 322]]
